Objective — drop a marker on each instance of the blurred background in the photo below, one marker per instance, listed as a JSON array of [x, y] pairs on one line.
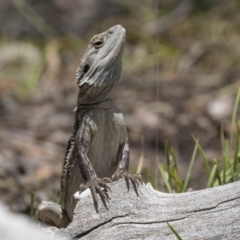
[[181, 72]]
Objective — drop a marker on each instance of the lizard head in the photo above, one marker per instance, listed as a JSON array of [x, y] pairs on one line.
[[100, 67]]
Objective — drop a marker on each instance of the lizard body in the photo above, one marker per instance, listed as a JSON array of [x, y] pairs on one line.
[[98, 147]]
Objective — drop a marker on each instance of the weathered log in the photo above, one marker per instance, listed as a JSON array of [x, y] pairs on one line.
[[206, 214]]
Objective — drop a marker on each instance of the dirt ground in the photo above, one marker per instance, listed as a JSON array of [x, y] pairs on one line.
[[180, 78]]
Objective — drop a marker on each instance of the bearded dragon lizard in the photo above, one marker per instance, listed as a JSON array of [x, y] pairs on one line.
[[98, 147]]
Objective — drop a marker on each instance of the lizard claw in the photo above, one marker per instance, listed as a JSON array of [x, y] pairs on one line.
[[134, 178], [99, 186]]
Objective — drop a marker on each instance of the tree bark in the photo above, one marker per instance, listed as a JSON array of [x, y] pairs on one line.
[[212, 213]]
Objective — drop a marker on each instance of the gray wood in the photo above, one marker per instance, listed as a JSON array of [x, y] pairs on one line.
[[207, 214]]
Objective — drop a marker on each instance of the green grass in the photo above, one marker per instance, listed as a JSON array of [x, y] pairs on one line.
[[174, 231], [219, 171], [170, 173]]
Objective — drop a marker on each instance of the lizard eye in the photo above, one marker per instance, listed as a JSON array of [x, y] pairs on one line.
[[98, 44], [86, 68]]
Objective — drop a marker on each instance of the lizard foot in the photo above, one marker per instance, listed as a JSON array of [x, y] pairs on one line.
[[134, 178], [99, 186]]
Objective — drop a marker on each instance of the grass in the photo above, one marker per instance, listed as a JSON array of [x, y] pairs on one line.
[[174, 231], [219, 172], [170, 173]]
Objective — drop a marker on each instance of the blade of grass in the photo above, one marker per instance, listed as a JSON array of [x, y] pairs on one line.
[[172, 153], [222, 138], [164, 174], [224, 153], [166, 144], [175, 172], [174, 232], [212, 176], [207, 167], [178, 181], [236, 150], [190, 168], [229, 175], [237, 173], [217, 175], [234, 117], [226, 160], [225, 167]]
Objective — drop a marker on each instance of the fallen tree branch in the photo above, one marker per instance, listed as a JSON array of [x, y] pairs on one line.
[[212, 213]]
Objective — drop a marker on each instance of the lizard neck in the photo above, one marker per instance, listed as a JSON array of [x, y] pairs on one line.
[[107, 103]]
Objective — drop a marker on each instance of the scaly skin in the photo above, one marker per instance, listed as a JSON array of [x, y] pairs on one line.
[[98, 147]]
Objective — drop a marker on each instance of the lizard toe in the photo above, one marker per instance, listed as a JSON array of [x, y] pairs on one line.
[[134, 178], [99, 187]]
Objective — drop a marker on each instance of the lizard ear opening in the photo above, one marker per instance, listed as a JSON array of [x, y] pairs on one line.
[[86, 68]]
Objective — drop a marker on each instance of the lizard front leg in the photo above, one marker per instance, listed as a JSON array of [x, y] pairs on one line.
[[95, 184], [123, 165]]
